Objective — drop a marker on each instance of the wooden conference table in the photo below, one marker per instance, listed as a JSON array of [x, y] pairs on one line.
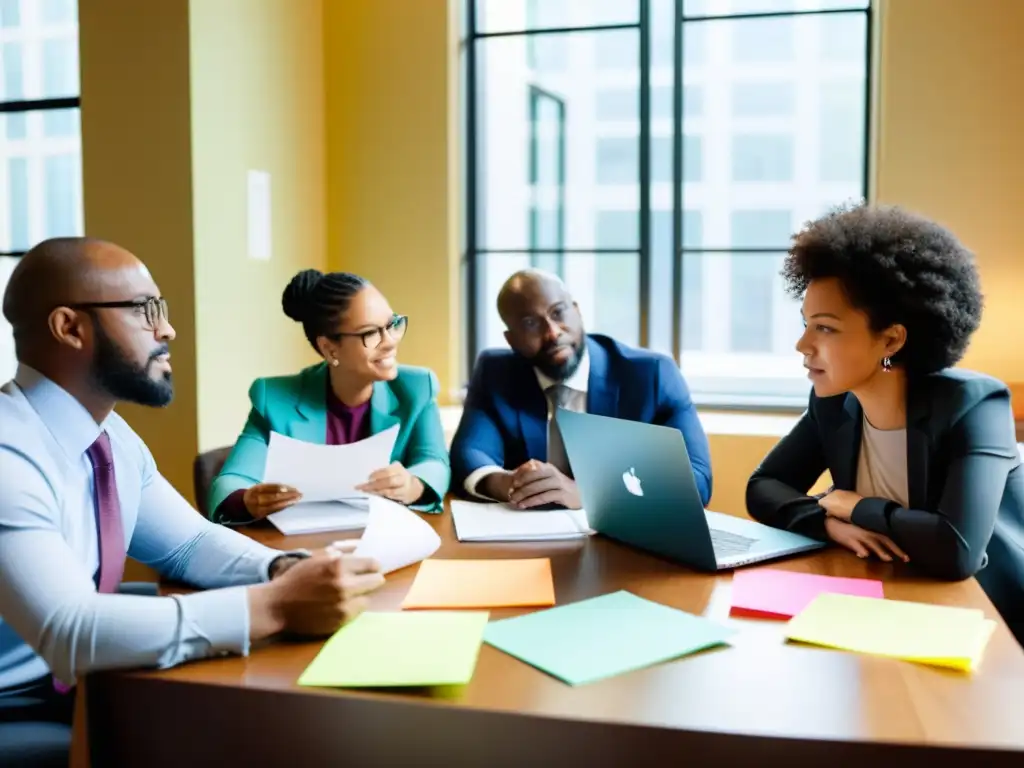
[[759, 700]]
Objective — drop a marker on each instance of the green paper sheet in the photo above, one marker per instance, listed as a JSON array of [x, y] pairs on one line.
[[604, 636], [422, 648]]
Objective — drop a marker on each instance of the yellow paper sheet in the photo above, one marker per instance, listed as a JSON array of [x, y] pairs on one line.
[[927, 634], [482, 584]]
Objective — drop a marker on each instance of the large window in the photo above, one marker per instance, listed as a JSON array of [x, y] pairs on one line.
[[659, 154], [40, 140]]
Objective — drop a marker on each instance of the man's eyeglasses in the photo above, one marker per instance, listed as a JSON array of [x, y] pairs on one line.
[[154, 309], [375, 337], [533, 324]]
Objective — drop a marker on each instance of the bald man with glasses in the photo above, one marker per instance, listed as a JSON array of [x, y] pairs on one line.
[[80, 492]]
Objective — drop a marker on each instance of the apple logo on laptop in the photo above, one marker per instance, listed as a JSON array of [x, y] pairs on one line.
[[632, 482]]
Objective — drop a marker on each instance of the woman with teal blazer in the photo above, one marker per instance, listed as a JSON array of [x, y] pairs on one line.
[[358, 391]]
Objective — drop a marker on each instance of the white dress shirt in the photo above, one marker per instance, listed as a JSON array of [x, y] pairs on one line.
[[577, 402], [51, 616]]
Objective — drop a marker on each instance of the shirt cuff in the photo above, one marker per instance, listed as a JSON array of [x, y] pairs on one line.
[[479, 474], [218, 616], [232, 511]]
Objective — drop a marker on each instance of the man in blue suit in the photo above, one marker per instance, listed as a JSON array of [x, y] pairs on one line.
[[508, 448]]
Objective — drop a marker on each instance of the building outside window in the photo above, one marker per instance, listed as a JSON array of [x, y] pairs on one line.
[[40, 138], [699, 135]]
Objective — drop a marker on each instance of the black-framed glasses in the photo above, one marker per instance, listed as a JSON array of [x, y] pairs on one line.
[[374, 337], [154, 309]]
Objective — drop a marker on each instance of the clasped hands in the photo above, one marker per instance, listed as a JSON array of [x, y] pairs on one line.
[[393, 482], [838, 506], [533, 484]]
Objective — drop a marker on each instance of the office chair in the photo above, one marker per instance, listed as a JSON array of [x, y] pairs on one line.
[[35, 745], [205, 469]]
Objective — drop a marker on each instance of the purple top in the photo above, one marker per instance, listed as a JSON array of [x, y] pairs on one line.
[[345, 424]]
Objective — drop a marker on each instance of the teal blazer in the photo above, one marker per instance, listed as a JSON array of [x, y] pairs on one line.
[[296, 406]]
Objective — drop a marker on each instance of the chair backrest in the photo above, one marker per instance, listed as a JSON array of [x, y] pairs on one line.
[[205, 469]]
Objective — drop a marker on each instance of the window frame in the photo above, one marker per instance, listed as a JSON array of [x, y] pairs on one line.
[[475, 247], [22, 106]]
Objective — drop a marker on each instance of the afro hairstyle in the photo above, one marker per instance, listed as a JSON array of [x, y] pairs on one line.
[[898, 268]]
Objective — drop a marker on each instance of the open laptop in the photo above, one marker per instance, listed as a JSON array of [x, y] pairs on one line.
[[637, 485]]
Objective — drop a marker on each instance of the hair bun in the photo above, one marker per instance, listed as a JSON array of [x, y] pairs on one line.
[[298, 293]]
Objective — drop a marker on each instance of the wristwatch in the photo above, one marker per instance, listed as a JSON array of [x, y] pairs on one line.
[[285, 561]]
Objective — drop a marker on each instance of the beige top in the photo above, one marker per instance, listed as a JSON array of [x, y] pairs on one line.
[[882, 466]]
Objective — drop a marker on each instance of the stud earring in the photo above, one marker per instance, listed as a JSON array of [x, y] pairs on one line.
[[334, 362], [886, 364]]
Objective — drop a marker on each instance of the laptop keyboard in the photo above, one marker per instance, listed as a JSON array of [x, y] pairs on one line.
[[728, 544]]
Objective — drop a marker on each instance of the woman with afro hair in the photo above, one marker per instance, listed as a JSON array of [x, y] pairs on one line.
[[923, 458]]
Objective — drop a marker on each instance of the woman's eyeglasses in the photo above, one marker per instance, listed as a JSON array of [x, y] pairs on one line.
[[374, 337]]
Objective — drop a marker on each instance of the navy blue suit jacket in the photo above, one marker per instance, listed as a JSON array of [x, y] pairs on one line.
[[504, 419]]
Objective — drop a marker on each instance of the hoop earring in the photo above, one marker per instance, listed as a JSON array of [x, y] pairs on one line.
[[886, 364]]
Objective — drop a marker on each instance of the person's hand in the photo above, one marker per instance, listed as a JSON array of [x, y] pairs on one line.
[[267, 498], [537, 483], [497, 486], [394, 482], [318, 594], [839, 504], [863, 543]]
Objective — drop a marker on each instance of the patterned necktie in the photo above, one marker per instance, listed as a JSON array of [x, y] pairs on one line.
[[558, 395], [109, 527]]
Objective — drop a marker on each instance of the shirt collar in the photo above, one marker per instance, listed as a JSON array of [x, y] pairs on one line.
[[71, 425], [578, 380]]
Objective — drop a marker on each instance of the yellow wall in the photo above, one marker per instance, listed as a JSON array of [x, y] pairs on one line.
[[179, 101], [733, 458], [136, 170], [951, 123], [392, 155], [257, 103]]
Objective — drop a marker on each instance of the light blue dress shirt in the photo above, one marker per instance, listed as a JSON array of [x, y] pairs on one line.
[[51, 616]]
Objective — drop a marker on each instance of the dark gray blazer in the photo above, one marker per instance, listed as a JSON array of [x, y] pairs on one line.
[[964, 476]]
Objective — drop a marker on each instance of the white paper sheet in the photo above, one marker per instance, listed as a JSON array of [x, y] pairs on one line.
[[320, 516], [501, 522], [327, 472], [395, 536]]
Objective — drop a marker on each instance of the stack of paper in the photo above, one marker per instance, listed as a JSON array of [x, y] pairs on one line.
[[400, 649], [482, 584], [395, 536], [502, 522], [927, 634], [777, 594], [320, 516], [605, 636]]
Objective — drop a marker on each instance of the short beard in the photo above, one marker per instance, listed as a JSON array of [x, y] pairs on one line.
[[126, 381], [564, 370]]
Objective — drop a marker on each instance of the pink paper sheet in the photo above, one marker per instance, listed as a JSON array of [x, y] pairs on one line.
[[777, 594]]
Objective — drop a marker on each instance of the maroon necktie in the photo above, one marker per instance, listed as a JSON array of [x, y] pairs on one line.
[[109, 528], [108, 516]]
